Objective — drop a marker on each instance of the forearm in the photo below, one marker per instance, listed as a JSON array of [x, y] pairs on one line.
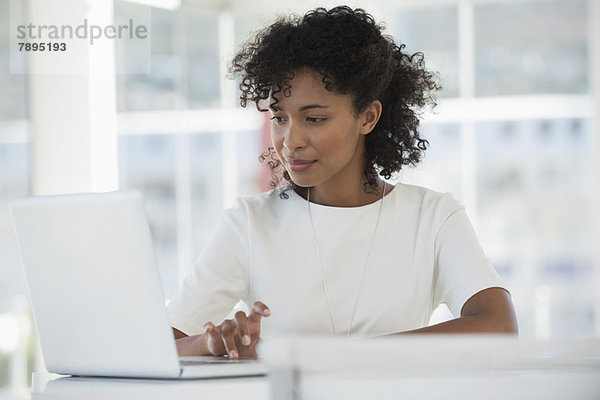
[[488, 311], [192, 346], [471, 324]]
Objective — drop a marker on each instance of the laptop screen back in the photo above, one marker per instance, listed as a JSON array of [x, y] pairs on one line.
[[94, 286]]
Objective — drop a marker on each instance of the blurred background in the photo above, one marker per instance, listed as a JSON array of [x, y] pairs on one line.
[[515, 138]]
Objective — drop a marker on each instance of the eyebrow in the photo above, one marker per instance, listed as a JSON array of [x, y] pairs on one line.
[[308, 107], [303, 108]]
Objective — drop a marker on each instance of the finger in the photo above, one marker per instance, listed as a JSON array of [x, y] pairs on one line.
[[209, 327], [258, 311], [242, 325], [228, 330], [214, 336], [213, 331]]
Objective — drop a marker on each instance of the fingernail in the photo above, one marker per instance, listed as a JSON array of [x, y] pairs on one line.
[[266, 312], [233, 354], [246, 340]]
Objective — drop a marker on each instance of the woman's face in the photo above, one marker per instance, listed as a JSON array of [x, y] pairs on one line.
[[317, 135]]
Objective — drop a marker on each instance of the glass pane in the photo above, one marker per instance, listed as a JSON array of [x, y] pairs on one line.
[[147, 163], [207, 188], [244, 26], [531, 47], [440, 170], [13, 92], [184, 60], [536, 204], [154, 91], [14, 182], [16, 327], [252, 174], [432, 31], [201, 45]]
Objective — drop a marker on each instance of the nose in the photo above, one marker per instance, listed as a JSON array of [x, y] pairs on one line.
[[294, 138]]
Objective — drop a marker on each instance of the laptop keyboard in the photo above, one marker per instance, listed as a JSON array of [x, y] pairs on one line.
[[213, 361]]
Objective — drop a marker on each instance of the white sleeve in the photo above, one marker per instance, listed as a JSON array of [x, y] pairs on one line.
[[219, 278], [461, 266]]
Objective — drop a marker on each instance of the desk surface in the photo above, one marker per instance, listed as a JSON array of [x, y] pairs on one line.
[[449, 368], [50, 386], [580, 385]]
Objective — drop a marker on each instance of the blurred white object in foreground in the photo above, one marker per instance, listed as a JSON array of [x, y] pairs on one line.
[[432, 366]]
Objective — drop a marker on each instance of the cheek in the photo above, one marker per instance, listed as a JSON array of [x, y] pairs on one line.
[[276, 142], [276, 139], [341, 140]]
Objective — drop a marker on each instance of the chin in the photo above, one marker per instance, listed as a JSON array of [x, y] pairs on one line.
[[302, 181]]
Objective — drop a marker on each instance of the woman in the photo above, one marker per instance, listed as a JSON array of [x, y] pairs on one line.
[[337, 250]]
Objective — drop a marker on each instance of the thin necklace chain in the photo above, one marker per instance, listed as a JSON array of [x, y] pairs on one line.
[[322, 268]]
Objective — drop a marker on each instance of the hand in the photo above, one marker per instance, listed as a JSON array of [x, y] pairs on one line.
[[236, 337]]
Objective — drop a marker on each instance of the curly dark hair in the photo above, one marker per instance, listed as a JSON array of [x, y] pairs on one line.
[[347, 48]]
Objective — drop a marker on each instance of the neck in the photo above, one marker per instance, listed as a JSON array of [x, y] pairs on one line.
[[347, 196]]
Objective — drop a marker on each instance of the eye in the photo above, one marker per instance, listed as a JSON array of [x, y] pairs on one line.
[[315, 119], [277, 119]]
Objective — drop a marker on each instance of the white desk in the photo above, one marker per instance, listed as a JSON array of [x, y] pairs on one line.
[[580, 385], [500, 386], [49, 386], [427, 368]]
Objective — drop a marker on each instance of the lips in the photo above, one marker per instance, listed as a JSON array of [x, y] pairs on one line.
[[298, 165]]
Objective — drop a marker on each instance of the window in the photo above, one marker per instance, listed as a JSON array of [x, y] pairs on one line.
[[511, 138], [15, 159], [544, 51]]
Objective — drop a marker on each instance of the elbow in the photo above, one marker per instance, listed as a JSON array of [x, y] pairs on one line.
[[506, 329], [494, 312], [511, 327], [504, 325], [509, 321]]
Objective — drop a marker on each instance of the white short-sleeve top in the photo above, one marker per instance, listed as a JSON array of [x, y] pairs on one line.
[[425, 252]]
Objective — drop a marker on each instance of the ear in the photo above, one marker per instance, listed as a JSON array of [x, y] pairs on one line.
[[370, 116]]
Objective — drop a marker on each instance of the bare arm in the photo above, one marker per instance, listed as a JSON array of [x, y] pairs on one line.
[[178, 334], [488, 311]]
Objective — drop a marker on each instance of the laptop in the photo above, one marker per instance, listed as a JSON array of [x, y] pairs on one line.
[[95, 290]]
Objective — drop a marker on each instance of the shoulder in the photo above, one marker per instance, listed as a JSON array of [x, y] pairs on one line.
[[427, 202], [268, 204], [414, 194]]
